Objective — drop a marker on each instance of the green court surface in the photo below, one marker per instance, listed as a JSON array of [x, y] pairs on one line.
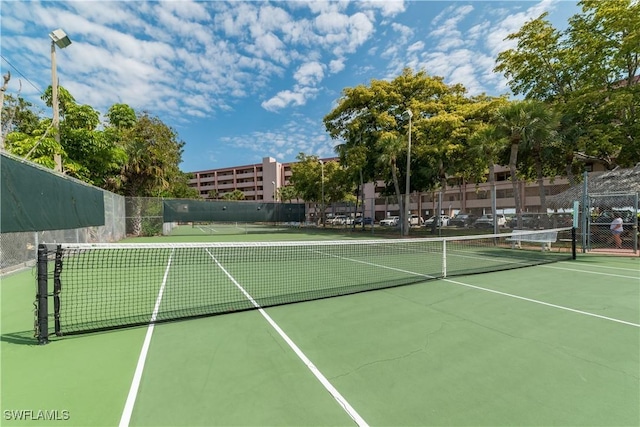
[[551, 345]]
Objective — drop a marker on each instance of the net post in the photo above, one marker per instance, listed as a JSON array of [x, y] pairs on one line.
[[573, 243], [444, 259], [42, 307], [57, 287]]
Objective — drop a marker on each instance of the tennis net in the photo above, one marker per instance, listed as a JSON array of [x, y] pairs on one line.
[[107, 286]]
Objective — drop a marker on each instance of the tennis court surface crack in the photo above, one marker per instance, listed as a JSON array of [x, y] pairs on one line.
[[406, 355]]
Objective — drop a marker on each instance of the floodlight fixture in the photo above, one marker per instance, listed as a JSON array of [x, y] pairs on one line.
[[60, 38]]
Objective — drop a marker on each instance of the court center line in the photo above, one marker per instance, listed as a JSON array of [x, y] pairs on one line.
[[137, 376], [314, 370], [586, 313]]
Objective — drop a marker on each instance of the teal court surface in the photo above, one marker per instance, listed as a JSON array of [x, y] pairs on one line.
[[548, 345]]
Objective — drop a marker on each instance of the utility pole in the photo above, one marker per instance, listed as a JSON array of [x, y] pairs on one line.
[[3, 89]]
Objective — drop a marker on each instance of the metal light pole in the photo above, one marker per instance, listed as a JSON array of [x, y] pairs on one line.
[[275, 199], [407, 220], [322, 186], [58, 38]]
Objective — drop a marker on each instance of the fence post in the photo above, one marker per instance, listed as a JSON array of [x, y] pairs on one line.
[[585, 211]]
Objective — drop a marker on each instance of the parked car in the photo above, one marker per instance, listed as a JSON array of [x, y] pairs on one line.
[[443, 221], [342, 220], [559, 220], [529, 220], [366, 220], [486, 221], [390, 221], [463, 220], [415, 220]]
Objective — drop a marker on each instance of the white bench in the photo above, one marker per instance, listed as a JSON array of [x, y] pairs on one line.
[[545, 238]]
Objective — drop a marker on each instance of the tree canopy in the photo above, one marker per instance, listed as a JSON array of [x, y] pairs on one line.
[[589, 74], [131, 153], [373, 123]]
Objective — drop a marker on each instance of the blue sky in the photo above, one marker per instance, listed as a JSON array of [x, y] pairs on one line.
[[240, 81]]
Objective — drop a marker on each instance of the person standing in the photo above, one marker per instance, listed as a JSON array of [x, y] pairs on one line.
[[616, 230]]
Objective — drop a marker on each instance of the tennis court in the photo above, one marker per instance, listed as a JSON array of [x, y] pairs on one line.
[[552, 344]]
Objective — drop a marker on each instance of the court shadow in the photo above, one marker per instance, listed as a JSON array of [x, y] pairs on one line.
[[20, 338]]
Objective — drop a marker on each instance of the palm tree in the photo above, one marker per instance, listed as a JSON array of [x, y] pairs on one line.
[[353, 156], [488, 143], [525, 124], [391, 146]]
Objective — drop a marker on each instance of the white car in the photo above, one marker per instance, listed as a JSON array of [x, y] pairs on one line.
[[444, 221], [390, 221], [341, 220], [415, 220]]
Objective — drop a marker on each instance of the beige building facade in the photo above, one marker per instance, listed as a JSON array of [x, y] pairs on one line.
[[260, 182]]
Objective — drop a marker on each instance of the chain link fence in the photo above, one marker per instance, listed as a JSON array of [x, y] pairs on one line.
[[459, 209], [612, 221], [466, 207]]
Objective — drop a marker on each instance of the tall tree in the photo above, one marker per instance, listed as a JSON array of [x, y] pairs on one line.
[[365, 113], [19, 115], [89, 153], [540, 67], [287, 193], [590, 73], [233, 195], [390, 146], [524, 124], [486, 145], [153, 154], [312, 180]]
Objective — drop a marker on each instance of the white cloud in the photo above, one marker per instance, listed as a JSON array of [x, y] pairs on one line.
[[288, 98], [387, 8], [331, 22], [325, 6], [336, 65], [361, 28], [405, 32], [273, 18], [478, 31], [301, 135], [309, 74], [270, 46], [186, 9], [417, 46]]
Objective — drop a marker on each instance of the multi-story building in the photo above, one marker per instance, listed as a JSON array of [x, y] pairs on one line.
[[259, 182]]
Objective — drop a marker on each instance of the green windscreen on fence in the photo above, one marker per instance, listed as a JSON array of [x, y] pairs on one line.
[[35, 199], [181, 210]]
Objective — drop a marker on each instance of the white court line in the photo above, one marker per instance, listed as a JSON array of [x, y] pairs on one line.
[[561, 307], [614, 268], [586, 313], [593, 272], [314, 370], [137, 376]]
